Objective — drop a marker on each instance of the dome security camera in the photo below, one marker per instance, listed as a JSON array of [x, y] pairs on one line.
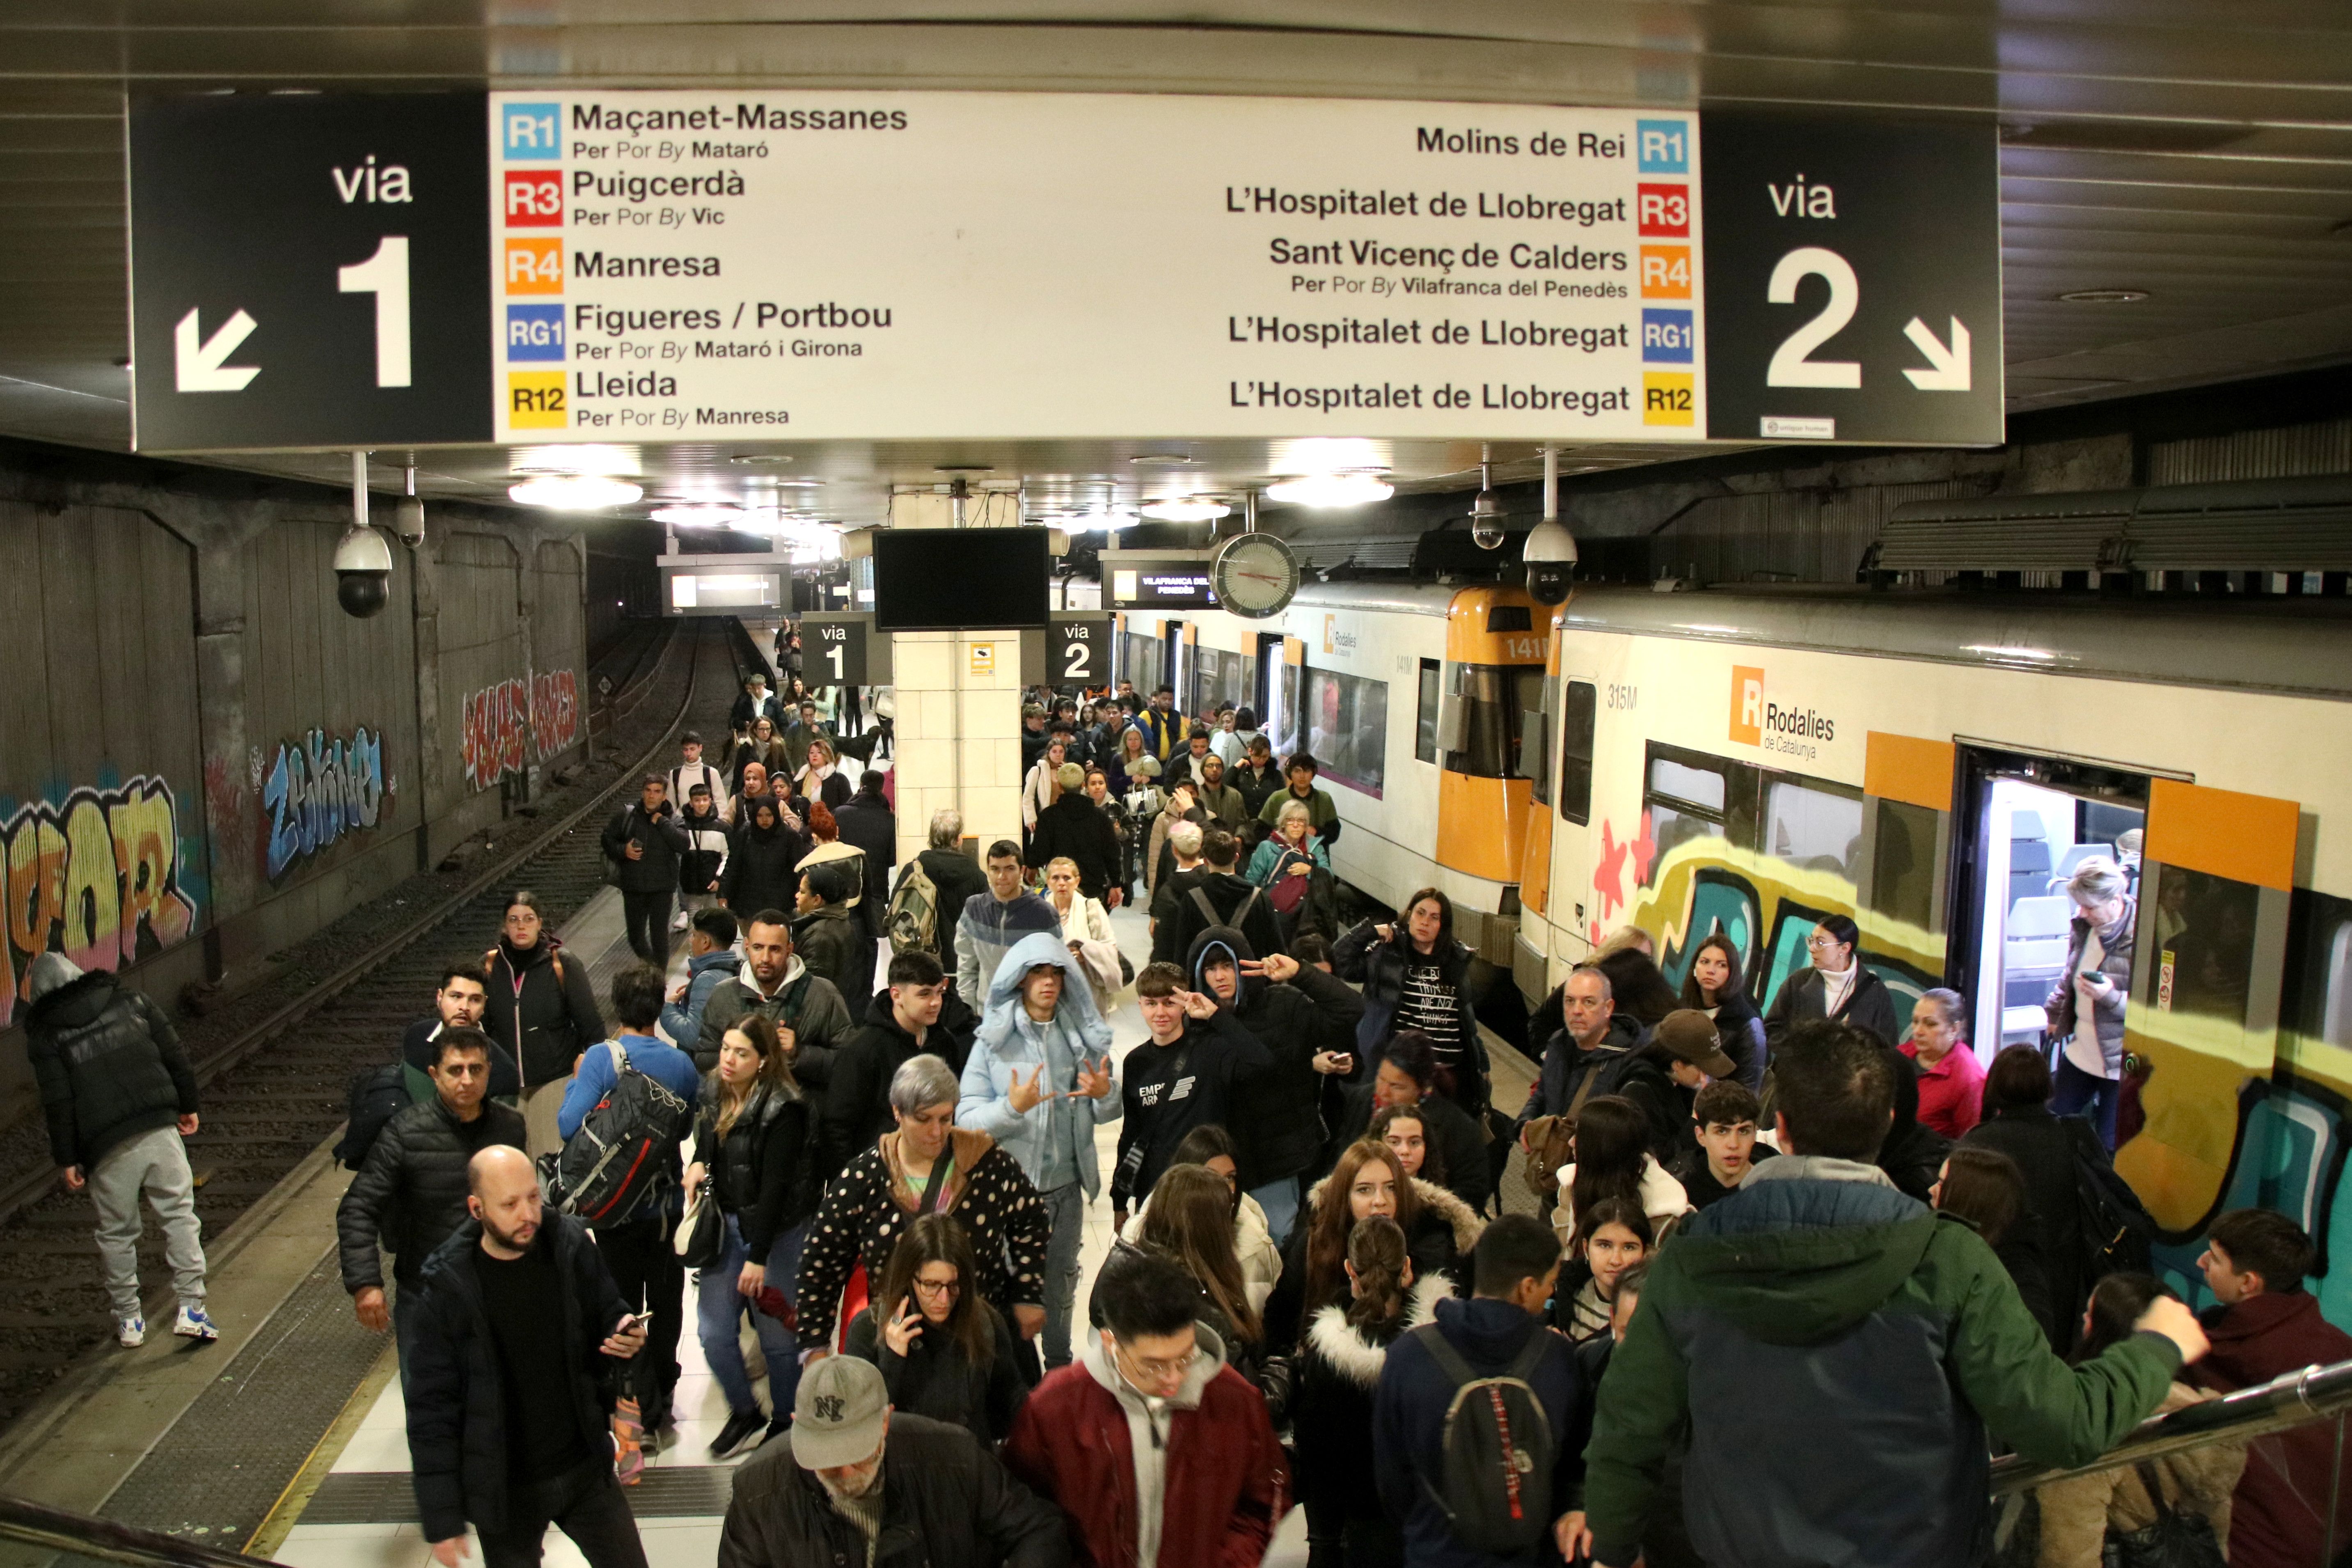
[[1487, 530], [363, 572], [1550, 556], [408, 518]]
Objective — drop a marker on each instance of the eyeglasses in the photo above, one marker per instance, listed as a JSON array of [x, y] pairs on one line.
[[935, 1288], [1161, 1371], [1819, 940]]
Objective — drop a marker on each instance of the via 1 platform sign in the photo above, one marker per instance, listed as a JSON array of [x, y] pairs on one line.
[[798, 266]]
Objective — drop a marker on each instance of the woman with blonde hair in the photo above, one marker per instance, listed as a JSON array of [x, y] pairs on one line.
[[820, 778], [1086, 927], [754, 1141], [2086, 1008]]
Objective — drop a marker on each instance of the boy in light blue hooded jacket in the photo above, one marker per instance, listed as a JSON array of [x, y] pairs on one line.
[[1040, 1087]]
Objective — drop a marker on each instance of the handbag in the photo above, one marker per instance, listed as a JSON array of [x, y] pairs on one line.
[[2174, 1541], [702, 1234]]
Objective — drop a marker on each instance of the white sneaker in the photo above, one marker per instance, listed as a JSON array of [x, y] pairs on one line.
[[130, 1332], [193, 1324], [681, 922]]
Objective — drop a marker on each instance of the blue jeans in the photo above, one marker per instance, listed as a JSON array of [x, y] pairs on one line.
[[1065, 1212], [1280, 1199], [2076, 1091], [718, 1307]]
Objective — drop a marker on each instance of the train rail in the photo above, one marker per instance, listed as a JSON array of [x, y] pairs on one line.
[[276, 1084]]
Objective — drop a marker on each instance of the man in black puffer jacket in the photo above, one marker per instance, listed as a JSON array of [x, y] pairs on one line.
[[120, 1097], [411, 1193], [506, 1405], [829, 935], [1302, 1016], [644, 841]]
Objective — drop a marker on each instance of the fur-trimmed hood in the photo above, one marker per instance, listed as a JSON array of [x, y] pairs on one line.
[[1466, 1222], [1350, 1351]]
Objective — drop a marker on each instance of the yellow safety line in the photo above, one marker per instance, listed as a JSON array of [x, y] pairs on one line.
[[287, 1512]]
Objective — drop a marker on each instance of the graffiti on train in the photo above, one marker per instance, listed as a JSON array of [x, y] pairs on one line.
[[1768, 906], [320, 787], [95, 875], [502, 725]]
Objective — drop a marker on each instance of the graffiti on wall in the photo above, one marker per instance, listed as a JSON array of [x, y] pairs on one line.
[[502, 724], [319, 788], [554, 712], [96, 875]]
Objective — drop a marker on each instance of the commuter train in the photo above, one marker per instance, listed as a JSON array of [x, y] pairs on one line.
[[1414, 701], [1934, 766]]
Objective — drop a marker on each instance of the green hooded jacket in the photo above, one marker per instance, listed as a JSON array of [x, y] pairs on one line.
[[1877, 1342]]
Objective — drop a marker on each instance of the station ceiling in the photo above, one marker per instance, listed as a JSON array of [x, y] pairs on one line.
[[2194, 152]]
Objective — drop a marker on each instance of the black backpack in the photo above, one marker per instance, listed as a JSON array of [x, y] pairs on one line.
[[621, 1157], [1495, 1458], [2117, 1228], [377, 1095]]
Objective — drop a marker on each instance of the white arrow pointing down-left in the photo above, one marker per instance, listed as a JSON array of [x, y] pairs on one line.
[[196, 360]]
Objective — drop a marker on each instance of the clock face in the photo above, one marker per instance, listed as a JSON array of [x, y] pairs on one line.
[[1255, 576]]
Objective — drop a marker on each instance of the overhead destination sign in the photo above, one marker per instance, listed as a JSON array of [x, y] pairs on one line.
[[684, 266]]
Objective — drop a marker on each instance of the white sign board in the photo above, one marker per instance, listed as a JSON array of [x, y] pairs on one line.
[[699, 266]]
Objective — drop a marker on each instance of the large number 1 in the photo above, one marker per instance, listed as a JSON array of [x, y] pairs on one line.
[[1790, 366], [833, 653], [385, 276]]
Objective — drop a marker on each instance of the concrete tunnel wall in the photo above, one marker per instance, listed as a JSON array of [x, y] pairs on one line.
[[203, 759]]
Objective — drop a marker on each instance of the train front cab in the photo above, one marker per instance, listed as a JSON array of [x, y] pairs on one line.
[[1952, 855]]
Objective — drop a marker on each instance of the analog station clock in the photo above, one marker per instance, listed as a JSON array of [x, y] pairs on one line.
[[1254, 576]]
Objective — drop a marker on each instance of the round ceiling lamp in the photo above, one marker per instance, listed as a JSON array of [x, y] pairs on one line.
[[574, 492], [1326, 492]]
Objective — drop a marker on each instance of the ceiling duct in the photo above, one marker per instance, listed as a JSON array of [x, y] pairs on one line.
[[2256, 525]]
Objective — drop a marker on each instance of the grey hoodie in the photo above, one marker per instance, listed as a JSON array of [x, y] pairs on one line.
[[1148, 1423]]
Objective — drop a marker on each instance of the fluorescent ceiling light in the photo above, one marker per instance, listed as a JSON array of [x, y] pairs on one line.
[[1186, 509], [574, 492], [585, 459], [1323, 491], [699, 514], [1330, 455]]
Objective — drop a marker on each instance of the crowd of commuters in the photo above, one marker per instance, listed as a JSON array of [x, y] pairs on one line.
[[1799, 1217]]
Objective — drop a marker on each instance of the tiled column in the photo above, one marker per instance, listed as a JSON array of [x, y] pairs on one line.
[[959, 734]]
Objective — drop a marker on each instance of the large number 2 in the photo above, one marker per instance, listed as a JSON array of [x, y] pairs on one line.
[[1791, 365], [833, 653], [385, 276], [1077, 670]]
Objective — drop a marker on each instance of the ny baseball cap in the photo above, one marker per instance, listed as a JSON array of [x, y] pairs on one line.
[[839, 1414]]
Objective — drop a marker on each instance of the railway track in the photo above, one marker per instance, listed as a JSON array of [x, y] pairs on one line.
[[276, 1087]]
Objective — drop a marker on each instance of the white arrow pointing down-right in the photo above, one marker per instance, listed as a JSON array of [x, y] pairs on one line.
[[196, 360], [1948, 368]]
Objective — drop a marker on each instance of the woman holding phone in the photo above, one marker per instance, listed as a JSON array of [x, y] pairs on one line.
[[944, 1352]]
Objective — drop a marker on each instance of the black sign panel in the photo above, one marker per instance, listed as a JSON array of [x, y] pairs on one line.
[[309, 271], [1077, 648], [1180, 583], [1853, 279], [832, 649]]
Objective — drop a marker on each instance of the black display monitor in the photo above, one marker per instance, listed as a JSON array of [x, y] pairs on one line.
[[960, 579]]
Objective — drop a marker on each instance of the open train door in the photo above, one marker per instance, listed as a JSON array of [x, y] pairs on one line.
[[2202, 1029]]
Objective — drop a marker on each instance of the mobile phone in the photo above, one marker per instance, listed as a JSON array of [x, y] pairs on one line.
[[631, 1320]]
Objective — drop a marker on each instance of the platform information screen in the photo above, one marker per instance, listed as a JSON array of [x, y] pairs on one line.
[[747, 265]]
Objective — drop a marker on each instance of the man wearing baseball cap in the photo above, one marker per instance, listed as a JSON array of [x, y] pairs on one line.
[[851, 1471]]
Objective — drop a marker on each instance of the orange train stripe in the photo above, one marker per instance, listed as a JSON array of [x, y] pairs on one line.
[[1907, 768], [2245, 837]]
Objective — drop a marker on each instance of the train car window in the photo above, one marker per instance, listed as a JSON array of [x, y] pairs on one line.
[[1346, 720], [1143, 662], [1694, 795], [1530, 742], [1425, 735], [1495, 718], [1510, 618], [1812, 826], [2205, 927], [2335, 1025], [1540, 721], [1580, 706], [1291, 685], [1903, 863]]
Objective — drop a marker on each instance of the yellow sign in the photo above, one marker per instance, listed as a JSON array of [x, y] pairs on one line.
[[983, 658], [535, 400]]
